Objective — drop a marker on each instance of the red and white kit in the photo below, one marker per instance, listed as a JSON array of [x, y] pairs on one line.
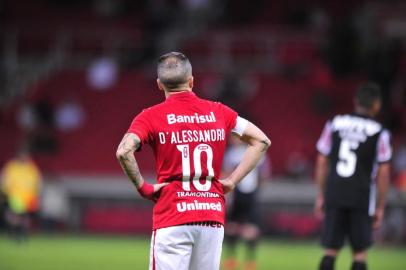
[[188, 136]]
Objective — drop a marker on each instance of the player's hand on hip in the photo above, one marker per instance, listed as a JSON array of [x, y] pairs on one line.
[[378, 218], [319, 207], [151, 192], [158, 187], [157, 191], [228, 185]]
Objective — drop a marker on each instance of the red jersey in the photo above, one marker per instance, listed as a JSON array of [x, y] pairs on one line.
[[188, 136]]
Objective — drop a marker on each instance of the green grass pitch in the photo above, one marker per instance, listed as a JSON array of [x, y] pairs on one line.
[[84, 252]]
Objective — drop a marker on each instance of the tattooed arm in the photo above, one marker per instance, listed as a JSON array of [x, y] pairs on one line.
[[257, 144], [125, 155]]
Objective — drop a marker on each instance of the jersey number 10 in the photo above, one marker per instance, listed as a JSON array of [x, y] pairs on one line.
[[197, 163]]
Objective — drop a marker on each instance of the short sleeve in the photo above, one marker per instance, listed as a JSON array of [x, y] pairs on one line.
[[141, 127], [325, 141], [230, 117], [384, 148], [240, 126]]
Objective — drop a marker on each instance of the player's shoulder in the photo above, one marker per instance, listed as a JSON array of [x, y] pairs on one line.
[[208, 101], [153, 109], [221, 106], [213, 104]]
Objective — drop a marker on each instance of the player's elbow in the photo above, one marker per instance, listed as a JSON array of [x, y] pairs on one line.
[[120, 154], [267, 142], [263, 144]]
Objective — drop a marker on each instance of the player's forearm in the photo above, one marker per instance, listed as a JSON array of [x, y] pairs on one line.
[[382, 197], [252, 156], [131, 169], [383, 180], [125, 156], [320, 174]]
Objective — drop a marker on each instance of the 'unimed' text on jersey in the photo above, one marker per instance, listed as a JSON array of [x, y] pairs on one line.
[[188, 137], [355, 146]]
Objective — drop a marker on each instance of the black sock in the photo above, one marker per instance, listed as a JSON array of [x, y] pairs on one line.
[[358, 265], [251, 249], [327, 263]]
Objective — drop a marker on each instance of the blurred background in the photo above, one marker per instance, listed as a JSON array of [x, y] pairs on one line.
[[74, 73]]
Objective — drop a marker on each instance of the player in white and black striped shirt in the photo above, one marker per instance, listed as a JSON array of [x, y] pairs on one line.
[[351, 169]]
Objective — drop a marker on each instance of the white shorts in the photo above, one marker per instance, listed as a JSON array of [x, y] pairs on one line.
[[186, 247]]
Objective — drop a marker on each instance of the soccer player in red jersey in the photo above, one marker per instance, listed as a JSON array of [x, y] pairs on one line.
[[188, 136]]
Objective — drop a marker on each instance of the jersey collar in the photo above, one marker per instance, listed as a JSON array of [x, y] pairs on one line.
[[182, 95], [361, 115]]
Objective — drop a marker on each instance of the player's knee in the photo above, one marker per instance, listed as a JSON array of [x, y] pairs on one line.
[[359, 265], [327, 262], [360, 256], [331, 252]]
